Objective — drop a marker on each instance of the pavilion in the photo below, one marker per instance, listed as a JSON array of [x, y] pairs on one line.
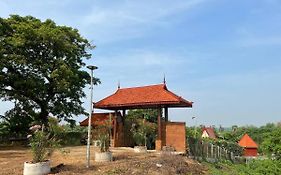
[[148, 97]]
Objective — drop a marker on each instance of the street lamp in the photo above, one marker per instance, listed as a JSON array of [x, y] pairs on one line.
[[92, 68], [195, 126]]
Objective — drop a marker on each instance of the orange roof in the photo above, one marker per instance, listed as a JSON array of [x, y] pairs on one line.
[[98, 119], [142, 97], [247, 142], [210, 132]]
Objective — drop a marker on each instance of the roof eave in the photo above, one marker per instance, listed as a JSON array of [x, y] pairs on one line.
[[143, 105]]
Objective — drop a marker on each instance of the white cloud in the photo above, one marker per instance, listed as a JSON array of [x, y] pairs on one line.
[[131, 19], [105, 21]]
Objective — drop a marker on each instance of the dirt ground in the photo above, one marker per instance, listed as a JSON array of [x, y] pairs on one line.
[[125, 162]]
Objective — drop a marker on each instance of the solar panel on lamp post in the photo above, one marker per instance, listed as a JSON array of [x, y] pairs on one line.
[[92, 68]]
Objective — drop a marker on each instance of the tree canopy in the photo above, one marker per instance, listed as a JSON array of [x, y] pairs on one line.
[[148, 114], [40, 67], [272, 142]]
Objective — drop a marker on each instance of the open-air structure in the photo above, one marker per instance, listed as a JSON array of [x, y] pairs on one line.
[[147, 97]]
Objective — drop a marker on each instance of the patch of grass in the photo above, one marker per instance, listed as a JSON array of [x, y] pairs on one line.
[[115, 171], [255, 167]]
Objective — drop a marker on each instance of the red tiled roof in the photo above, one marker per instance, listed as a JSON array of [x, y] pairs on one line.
[[247, 142], [210, 132], [98, 119], [142, 97]]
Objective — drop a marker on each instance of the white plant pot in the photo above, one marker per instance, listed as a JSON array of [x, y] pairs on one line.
[[103, 156], [40, 168], [140, 149]]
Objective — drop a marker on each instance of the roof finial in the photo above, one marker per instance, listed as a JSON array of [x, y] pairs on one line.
[[118, 84], [164, 81]]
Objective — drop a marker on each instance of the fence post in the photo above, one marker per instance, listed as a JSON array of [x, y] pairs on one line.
[[196, 150], [207, 150], [218, 152], [202, 150], [212, 151], [227, 157]]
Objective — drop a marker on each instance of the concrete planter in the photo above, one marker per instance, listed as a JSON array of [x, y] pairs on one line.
[[40, 168], [103, 156], [140, 149]]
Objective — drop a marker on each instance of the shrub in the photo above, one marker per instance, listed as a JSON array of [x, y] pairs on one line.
[[102, 133], [272, 143], [72, 138], [42, 144], [254, 167], [141, 129]]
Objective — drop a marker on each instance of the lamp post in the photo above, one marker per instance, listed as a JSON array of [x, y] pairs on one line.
[[195, 126], [92, 68]]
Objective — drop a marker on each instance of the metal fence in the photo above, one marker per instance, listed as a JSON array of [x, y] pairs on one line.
[[207, 151]]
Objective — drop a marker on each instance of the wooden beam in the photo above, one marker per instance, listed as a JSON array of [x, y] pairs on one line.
[[124, 115], [166, 114], [110, 132], [123, 127], [115, 129], [159, 124]]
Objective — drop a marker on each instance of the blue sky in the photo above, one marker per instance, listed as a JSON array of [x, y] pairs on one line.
[[224, 55]]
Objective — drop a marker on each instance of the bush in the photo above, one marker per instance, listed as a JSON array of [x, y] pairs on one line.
[[272, 143], [69, 136], [72, 138], [102, 133], [263, 167], [42, 144], [254, 167]]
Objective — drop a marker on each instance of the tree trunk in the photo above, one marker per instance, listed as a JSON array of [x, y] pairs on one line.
[[43, 116]]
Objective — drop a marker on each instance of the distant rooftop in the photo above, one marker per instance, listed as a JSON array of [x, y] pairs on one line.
[[98, 119], [247, 142], [210, 131]]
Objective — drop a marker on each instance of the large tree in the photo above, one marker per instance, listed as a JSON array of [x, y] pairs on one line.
[[148, 114], [40, 67]]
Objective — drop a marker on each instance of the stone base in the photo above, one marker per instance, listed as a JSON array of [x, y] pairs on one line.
[[158, 145], [140, 149], [39, 168], [103, 156]]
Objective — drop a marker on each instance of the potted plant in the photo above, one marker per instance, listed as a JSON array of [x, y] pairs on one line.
[[42, 146], [141, 129], [102, 134]]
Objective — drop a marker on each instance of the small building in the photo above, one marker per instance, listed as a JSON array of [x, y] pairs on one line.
[[99, 119], [250, 148], [208, 132]]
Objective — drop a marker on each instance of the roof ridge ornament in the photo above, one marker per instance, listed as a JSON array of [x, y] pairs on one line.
[[164, 80], [118, 84]]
